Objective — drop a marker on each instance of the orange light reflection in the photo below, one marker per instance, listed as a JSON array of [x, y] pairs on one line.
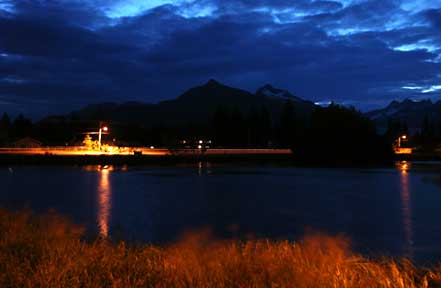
[[104, 201], [406, 209]]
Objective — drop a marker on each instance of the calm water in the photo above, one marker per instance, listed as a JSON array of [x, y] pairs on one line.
[[394, 211]]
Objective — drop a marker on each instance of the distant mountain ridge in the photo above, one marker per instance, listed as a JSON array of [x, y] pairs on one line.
[[196, 105], [409, 112]]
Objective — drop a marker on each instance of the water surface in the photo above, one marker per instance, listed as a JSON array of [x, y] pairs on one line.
[[393, 211]]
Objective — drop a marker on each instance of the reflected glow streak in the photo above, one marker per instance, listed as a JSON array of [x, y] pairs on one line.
[[104, 201], [406, 209]]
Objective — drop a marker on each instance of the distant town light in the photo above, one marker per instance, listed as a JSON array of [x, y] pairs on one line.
[[199, 146], [200, 141], [404, 137], [105, 128], [152, 147]]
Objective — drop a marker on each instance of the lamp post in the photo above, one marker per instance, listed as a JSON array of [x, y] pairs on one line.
[[403, 137], [102, 129]]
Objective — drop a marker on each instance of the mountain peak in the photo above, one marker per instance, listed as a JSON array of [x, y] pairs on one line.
[[409, 111], [268, 86], [213, 82], [270, 91]]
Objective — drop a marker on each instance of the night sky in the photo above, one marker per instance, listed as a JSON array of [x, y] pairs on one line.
[[56, 56]]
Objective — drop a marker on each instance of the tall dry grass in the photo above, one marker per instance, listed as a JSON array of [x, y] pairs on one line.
[[47, 251]]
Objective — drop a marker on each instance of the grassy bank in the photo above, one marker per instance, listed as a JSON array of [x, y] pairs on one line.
[[47, 251]]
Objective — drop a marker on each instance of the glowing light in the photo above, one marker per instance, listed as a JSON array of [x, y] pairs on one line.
[[404, 137], [105, 128], [200, 141], [404, 167], [199, 146]]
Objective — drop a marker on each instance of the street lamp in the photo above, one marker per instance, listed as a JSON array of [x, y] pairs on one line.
[[102, 129], [401, 138]]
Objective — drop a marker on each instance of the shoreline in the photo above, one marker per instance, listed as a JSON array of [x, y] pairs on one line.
[[146, 156]]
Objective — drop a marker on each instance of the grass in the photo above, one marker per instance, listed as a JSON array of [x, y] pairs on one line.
[[47, 251]]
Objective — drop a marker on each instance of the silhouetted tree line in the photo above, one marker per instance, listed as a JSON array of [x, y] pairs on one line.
[[340, 136], [334, 135], [236, 129], [12, 129]]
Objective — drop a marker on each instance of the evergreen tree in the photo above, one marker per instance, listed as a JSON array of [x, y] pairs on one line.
[[265, 127], [287, 125], [5, 122], [341, 136], [22, 127], [5, 125], [220, 125]]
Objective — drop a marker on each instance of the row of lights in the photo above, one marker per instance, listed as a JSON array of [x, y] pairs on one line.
[[199, 142]]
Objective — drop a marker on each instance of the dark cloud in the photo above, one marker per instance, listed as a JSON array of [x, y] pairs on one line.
[[56, 56], [434, 16]]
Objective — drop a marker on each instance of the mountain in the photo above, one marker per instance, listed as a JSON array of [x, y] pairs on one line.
[[196, 105], [271, 92], [408, 112]]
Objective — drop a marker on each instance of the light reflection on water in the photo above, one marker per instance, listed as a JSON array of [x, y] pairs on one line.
[[406, 209], [393, 210], [104, 201], [104, 198]]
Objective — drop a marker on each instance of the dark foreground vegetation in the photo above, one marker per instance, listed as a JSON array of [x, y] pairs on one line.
[[48, 251]]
